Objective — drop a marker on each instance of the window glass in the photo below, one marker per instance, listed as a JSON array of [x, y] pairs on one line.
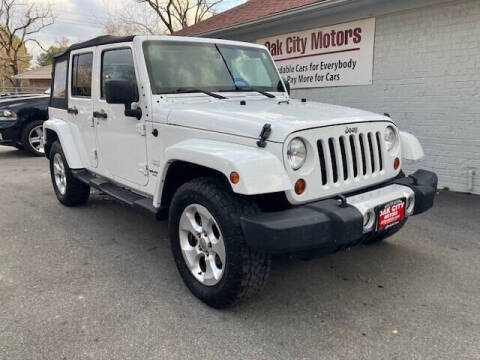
[[250, 67], [117, 65], [177, 65], [82, 75], [60, 80], [173, 66]]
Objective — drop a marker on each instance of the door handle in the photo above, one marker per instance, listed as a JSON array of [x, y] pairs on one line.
[[73, 111], [100, 114]]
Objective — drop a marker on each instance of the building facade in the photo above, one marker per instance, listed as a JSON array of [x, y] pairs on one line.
[[35, 80], [419, 62]]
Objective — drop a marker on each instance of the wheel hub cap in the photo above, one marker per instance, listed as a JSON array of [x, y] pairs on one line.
[[202, 244], [59, 174], [35, 138]]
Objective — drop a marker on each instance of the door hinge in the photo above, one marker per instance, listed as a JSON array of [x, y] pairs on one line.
[[141, 129], [143, 168], [95, 154], [91, 121]]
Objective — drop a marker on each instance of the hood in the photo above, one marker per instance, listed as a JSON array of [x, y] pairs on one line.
[[231, 117], [24, 101]]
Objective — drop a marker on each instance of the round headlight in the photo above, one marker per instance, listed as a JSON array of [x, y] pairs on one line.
[[390, 138], [296, 153]]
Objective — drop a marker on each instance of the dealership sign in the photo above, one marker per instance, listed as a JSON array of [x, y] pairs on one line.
[[338, 55]]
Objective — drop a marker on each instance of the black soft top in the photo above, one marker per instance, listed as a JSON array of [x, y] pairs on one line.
[[99, 40]]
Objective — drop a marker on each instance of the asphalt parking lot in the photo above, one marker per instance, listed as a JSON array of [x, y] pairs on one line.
[[99, 282]]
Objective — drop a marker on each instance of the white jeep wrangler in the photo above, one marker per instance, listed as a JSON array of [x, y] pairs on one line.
[[203, 131]]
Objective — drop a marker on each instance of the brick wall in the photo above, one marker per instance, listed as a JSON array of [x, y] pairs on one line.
[[427, 76]]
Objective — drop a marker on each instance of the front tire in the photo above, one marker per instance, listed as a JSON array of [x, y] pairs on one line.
[[208, 244], [69, 190]]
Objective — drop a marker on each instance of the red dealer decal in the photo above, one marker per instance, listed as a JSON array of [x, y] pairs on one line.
[[390, 214]]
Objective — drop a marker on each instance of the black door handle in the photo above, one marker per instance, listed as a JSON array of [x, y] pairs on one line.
[[100, 114], [73, 111]]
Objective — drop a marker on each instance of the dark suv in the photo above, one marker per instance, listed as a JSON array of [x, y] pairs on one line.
[[21, 121]]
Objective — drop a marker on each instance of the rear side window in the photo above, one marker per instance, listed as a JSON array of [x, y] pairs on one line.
[[60, 80], [82, 75], [117, 65]]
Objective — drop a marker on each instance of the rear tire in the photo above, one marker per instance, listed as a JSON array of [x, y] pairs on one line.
[[69, 190], [243, 271], [32, 138], [376, 238]]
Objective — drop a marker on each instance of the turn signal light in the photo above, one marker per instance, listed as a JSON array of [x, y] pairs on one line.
[[396, 163], [234, 177], [300, 186]]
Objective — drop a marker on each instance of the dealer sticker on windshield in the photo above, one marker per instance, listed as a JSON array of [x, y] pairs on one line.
[[390, 214]]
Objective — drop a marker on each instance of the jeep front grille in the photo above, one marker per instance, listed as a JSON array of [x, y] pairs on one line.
[[349, 157]]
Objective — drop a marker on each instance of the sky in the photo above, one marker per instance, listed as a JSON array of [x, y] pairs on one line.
[[80, 20]]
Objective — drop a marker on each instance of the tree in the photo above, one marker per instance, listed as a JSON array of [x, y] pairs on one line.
[[46, 58], [155, 17], [131, 18], [178, 14], [19, 20]]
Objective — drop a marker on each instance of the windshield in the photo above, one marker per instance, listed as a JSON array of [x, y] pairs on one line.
[[175, 66]]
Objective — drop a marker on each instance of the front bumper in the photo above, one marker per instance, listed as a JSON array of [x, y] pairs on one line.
[[9, 133], [329, 225]]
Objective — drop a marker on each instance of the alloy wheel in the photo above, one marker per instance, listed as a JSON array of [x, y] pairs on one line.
[[59, 173], [202, 244], [35, 139]]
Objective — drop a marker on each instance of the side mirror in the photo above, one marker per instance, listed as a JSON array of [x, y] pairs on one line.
[[123, 92], [120, 92]]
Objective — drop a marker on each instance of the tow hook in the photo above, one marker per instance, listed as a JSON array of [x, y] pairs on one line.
[[342, 201]]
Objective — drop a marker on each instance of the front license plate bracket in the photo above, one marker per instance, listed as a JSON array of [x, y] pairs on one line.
[[390, 214]]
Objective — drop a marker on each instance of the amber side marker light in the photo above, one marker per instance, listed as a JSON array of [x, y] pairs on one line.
[[300, 186], [234, 177], [396, 163]]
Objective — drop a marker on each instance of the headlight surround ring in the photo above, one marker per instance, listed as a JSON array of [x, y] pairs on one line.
[[390, 137], [296, 153]]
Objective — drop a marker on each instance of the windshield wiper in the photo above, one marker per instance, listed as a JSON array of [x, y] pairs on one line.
[[271, 96], [193, 90], [239, 88]]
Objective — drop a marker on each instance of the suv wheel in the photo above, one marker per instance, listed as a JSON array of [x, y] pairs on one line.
[[208, 245], [32, 138], [69, 190]]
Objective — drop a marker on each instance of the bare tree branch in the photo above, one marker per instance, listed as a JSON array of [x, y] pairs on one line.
[[19, 19], [157, 16], [131, 18], [36, 42]]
